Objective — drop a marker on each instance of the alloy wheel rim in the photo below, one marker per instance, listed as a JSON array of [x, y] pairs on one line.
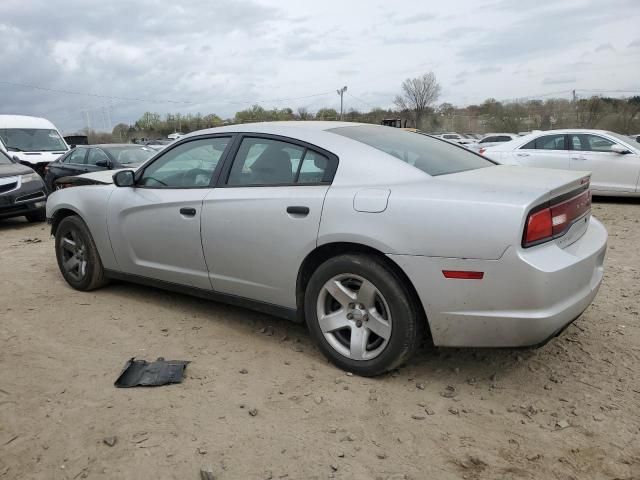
[[354, 317], [74, 255]]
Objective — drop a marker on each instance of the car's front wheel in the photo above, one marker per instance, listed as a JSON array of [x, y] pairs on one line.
[[37, 216], [361, 315], [77, 255]]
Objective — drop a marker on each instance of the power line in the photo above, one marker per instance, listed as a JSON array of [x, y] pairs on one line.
[[88, 94], [150, 100], [362, 101]]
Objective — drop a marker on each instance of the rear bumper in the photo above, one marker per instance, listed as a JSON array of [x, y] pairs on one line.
[[526, 297]]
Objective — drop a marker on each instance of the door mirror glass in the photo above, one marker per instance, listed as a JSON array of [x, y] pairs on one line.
[[619, 149], [103, 163], [124, 178]]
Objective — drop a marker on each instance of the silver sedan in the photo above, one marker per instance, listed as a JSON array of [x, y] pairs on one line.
[[375, 237]]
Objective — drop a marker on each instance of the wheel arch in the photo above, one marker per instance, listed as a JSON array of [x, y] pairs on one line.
[[329, 250], [60, 215]]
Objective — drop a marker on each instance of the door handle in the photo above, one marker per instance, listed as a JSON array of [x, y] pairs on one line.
[[578, 158], [298, 210], [188, 212], [522, 154]]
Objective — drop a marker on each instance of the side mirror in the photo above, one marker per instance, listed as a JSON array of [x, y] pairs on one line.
[[619, 149], [124, 178], [16, 159], [103, 163]]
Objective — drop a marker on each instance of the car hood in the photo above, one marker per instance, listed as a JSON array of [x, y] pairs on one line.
[[13, 169], [34, 158]]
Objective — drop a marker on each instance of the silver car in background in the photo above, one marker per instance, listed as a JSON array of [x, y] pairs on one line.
[[373, 236], [612, 159]]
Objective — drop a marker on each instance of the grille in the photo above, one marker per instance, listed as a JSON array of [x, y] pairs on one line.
[[7, 187], [31, 196]]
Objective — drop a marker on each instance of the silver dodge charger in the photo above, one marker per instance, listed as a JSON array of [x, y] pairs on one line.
[[376, 238]]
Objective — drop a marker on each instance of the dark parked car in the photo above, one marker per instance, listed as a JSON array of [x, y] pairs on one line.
[[22, 191], [94, 158]]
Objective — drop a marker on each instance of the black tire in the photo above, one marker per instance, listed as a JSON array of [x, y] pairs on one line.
[[407, 326], [92, 275], [37, 216]]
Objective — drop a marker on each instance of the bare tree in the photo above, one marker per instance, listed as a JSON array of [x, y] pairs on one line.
[[418, 94]]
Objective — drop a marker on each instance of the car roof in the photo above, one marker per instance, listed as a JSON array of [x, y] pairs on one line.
[[24, 121], [283, 127], [110, 145]]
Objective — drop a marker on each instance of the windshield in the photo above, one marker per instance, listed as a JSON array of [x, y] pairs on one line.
[[622, 138], [431, 155], [4, 159], [132, 155], [32, 140]]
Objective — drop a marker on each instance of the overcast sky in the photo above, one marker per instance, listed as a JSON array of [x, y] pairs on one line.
[[219, 56]]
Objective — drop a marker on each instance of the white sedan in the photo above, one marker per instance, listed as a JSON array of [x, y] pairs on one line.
[[613, 159], [373, 236]]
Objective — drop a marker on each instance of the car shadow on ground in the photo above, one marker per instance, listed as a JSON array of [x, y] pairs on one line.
[[18, 223], [429, 362], [618, 200]]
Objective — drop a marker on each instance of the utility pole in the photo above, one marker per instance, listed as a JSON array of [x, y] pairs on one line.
[[341, 93]]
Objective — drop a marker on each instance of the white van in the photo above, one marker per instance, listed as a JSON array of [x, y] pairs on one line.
[[32, 141]]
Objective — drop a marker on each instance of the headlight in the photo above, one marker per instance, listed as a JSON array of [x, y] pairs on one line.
[[30, 177]]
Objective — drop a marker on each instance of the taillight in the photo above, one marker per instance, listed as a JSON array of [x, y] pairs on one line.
[[553, 220]]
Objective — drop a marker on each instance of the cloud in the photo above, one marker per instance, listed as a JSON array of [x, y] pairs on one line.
[[487, 70], [413, 19], [559, 80], [604, 47], [537, 33]]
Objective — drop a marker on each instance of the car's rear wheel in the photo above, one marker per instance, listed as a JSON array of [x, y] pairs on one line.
[[77, 255], [361, 315]]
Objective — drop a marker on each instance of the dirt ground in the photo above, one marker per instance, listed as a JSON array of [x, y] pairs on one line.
[[569, 410]]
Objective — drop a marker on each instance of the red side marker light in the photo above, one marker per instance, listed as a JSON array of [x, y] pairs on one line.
[[463, 275]]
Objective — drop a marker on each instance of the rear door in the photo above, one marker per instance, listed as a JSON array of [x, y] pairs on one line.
[[262, 221], [611, 172], [154, 227], [545, 151]]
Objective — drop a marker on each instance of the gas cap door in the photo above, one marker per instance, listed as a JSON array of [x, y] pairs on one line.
[[371, 200]]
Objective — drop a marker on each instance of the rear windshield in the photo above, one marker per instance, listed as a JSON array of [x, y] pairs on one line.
[[431, 155]]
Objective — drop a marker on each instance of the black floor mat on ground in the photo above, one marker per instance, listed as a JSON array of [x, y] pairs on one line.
[[151, 374]]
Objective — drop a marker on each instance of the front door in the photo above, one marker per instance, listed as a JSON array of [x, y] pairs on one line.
[[262, 221], [610, 171], [154, 227]]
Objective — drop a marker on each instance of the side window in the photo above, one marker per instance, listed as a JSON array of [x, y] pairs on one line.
[[590, 143], [313, 168], [77, 156], [262, 161], [190, 165], [551, 142], [503, 138], [547, 142], [95, 155]]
